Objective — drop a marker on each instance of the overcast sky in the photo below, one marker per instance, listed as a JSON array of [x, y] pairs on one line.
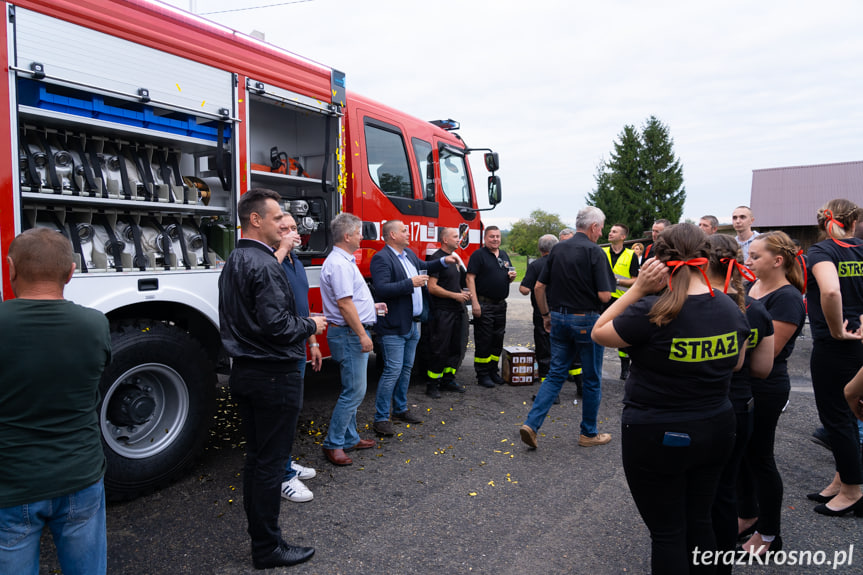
[[551, 84]]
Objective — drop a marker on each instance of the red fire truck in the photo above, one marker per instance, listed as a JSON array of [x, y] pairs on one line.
[[133, 128]]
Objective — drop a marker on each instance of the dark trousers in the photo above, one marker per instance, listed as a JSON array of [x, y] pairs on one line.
[[269, 400], [759, 485], [725, 504], [488, 332], [542, 342], [833, 364], [674, 487], [445, 343]]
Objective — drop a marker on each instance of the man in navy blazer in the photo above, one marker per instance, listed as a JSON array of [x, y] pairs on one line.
[[398, 283]]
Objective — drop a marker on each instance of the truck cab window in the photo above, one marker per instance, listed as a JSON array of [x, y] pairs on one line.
[[388, 162], [453, 175], [425, 167]]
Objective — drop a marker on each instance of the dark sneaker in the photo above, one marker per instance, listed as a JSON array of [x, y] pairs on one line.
[[484, 381], [384, 428], [452, 385], [432, 390], [407, 417], [495, 377]]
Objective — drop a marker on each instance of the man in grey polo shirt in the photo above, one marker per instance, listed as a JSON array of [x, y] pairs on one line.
[[350, 311]]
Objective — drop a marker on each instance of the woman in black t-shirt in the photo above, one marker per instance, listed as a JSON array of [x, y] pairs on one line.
[[725, 270], [773, 259], [835, 305], [678, 424]]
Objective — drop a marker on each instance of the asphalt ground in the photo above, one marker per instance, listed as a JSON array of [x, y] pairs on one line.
[[459, 493]]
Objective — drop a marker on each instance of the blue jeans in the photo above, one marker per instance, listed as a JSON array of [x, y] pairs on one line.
[[290, 473], [399, 353], [77, 523], [570, 338], [353, 361]]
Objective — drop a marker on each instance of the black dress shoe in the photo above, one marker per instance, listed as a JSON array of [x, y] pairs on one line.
[[284, 556], [495, 377], [432, 390]]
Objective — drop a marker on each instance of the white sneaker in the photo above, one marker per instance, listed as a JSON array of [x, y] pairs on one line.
[[303, 472], [295, 491]]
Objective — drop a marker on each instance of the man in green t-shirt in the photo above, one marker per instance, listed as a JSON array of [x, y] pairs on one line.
[[53, 353]]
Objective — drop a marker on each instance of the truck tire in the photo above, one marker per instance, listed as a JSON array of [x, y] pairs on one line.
[[158, 397]]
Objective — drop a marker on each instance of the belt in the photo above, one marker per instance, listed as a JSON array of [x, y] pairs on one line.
[[365, 325], [483, 299], [416, 318], [572, 311]]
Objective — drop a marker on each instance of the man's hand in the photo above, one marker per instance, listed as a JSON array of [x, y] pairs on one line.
[[316, 358], [451, 259], [546, 323], [476, 310], [320, 324], [420, 280], [461, 296], [366, 343]]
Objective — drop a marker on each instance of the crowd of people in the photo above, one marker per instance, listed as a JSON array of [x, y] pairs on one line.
[[704, 324]]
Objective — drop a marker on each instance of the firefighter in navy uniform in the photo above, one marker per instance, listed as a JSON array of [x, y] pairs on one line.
[[624, 264], [447, 314], [489, 273]]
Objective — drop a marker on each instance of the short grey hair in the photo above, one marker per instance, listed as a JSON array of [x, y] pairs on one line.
[[546, 242], [343, 224], [588, 216], [566, 232]]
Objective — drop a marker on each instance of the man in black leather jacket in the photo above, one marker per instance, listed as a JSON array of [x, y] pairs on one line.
[[266, 340]]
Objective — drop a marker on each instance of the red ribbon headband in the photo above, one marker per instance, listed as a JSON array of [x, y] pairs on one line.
[[831, 220], [694, 262], [744, 271]]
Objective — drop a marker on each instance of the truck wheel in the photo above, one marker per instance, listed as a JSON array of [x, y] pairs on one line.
[[158, 396]]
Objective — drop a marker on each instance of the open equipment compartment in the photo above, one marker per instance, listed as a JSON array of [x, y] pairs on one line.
[[293, 147]]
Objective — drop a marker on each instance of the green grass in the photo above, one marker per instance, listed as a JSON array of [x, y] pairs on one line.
[[520, 263]]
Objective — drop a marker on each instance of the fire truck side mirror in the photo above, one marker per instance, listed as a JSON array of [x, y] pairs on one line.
[[492, 164], [494, 190]]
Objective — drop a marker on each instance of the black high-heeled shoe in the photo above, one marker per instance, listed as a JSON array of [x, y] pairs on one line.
[[856, 507], [818, 498]]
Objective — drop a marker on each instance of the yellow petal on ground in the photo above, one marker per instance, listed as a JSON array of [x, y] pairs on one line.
[[504, 440], [408, 461], [491, 482], [472, 493]]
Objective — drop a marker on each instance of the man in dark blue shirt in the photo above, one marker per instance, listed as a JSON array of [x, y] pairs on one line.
[[293, 489]]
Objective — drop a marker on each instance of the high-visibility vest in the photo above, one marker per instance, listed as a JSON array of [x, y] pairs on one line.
[[621, 268]]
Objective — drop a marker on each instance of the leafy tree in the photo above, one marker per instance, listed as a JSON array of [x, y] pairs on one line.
[[525, 233], [642, 181]]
